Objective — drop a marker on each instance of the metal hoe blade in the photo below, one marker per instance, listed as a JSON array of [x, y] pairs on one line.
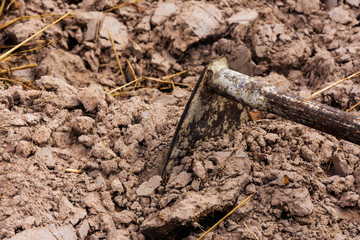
[[206, 115]]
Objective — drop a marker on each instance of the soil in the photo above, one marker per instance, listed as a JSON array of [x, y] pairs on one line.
[[306, 184]]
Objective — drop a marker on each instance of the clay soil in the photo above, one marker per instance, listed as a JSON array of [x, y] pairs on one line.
[[305, 184]]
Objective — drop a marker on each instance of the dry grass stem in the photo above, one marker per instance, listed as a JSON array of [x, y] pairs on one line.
[[116, 55], [120, 94], [4, 128], [125, 85], [227, 215], [18, 82], [36, 48], [97, 28], [2, 57], [70, 170], [28, 44], [253, 234], [331, 160], [332, 85], [173, 75], [131, 69], [353, 107], [162, 81], [2, 7], [23, 18], [9, 70]]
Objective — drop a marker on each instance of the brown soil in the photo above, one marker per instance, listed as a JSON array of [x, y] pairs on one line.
[[306, 184]]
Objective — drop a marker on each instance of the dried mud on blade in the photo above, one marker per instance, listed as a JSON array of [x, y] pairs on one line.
[[206, 115]]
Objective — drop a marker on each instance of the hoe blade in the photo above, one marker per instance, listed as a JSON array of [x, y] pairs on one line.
[[206, 115]]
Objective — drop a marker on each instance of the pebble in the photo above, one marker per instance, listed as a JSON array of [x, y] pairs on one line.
[[116, 186], [24, 148], [307, 6], [45, 156], [340, 15], [117, 30], [83, 124], [99, 150], [65, 232], [199, 170], [244, 16], [271, 138], [42, 135], [349, 199], [148, 188], [163, 12], [124, 217], [353, 3], [341, 165], [83, 230], [109, 166]]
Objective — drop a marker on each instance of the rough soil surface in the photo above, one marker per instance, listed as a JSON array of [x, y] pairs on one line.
[[306, 184]]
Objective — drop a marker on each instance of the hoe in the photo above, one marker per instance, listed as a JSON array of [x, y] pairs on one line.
[[220, 101]]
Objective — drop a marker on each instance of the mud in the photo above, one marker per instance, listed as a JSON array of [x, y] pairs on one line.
[[305, 183]]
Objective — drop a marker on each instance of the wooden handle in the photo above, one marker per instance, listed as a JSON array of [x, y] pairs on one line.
[[263, 96]]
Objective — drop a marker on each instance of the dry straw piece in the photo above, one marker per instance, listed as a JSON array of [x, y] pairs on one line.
[[71, 170], [5, 55], [227, 215], [332, 85]]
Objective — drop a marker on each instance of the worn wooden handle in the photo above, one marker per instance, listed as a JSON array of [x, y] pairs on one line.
[[264, 96]]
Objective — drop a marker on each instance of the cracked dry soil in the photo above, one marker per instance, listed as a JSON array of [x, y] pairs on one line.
[[306, 184]]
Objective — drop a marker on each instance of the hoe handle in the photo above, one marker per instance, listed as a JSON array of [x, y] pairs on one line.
[[266, 97]]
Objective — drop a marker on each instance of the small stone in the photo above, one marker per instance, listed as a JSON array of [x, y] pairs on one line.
[[353, 3], [271, 138], [149, 187], [32, 119], [99, 150], [107, 201], [337, 184], [244, 16], [117, 30], [180, 180], [45, 156], [307, 6], [199, 170], [99, 182], [87, 140], [307, 154], [349, 199], [124, 217], [340, 15], [345, 58], [331, 3], [120, 234], [83, 230], [107, 223], [60, 92], [109, 166], [66, 232], [138, 166], [42, 135], [301, 205], [93, 98], [163, 11], [83, 124], [90, 20], [116, 186], [341, 166], [24, 148]]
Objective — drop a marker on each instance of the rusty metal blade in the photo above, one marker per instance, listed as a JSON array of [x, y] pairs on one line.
[[206, 115]]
